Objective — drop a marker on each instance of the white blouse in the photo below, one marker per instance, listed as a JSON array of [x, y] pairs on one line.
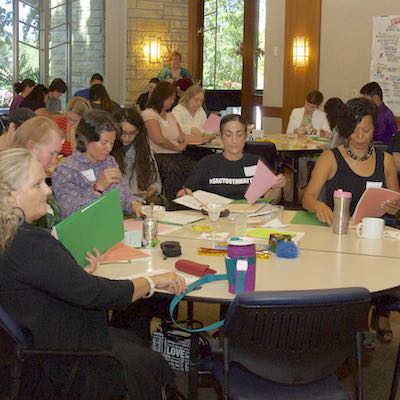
[[187, 121]]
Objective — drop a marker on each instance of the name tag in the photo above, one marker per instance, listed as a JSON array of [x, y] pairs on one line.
[[250, 171], [371, 184], [89, 175]]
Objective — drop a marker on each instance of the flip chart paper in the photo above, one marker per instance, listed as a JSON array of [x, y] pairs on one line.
[[262, 181]]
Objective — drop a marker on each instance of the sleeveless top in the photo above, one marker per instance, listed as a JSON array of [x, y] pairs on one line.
[[349, 181]]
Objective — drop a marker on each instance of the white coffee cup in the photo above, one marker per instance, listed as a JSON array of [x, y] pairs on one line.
[[371, 228]]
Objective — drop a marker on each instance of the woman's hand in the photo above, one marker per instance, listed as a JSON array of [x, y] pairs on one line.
[[170, 281], [136, 207], [280, 181], [109, 177], [324, 134], [323, 212], [195, 131], [183, 192], [93, 260], [391, 207]]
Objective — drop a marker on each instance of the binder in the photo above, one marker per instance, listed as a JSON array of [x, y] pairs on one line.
[[99, 224]]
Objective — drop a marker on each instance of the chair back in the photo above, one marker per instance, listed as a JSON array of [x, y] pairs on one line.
[[8, 328], [265, 150], [295, 336]]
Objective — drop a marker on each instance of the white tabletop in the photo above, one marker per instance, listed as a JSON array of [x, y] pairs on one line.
[[311, 270], [320, 238]]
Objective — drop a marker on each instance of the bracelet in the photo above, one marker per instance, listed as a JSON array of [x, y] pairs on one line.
[[151, 285], [96, 188]]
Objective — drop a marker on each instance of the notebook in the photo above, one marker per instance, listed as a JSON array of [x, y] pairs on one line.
[[370, 203]]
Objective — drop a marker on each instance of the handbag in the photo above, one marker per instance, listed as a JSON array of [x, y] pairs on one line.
[[175, 344]]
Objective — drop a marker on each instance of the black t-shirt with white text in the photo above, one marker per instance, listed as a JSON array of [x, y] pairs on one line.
[[216, 174]]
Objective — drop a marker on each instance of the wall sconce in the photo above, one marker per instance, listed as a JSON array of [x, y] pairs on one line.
[[152, 50], [300, 51]]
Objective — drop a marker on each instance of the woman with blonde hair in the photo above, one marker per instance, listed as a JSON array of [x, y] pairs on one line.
[[77, 107], [191, 116], [174, 71], [62, 307]]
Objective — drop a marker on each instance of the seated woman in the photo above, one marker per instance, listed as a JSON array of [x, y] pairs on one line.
[[22, 89], [309, 119], [42, 137], [135, 158], [21, 115], [100, 99], [90, 170], [167, 139], [333, 108], [77, 107], [229, 173], [65, 308], [191, 116], [37, 100], [174, 71], [350, 167], [141, 101]]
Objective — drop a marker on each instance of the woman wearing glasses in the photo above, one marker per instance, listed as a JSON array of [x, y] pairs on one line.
[[134, 157]]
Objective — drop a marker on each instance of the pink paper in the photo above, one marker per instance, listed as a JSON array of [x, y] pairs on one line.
[[262, 181], [212, 123], [121, 252]]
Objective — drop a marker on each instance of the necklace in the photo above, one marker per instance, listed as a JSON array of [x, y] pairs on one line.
[[355, 156]]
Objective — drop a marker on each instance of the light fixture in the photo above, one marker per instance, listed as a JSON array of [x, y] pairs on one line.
[[300, 51], [152, 50]]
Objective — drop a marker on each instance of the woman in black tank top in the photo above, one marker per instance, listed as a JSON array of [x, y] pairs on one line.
[[349, 167], [352, 165]]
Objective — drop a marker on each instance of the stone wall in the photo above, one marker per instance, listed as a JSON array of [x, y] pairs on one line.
[[163, 19], [87, 41]]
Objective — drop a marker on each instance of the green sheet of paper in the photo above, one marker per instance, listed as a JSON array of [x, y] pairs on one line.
[[264, 233], [99, 224], [306, 218], [244, 201]]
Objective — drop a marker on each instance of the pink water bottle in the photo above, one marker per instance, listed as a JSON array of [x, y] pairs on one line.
[[341, 211]]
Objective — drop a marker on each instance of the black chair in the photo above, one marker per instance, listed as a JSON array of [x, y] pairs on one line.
[[266, 150], [18, 358], [287, 345]]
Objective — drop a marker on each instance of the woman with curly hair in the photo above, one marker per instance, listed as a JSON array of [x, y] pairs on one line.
[[134, 157], [351, 165]]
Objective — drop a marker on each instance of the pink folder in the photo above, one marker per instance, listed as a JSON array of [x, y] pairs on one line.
[[212, 123], [121, 252], [370, 203], [262, 181]]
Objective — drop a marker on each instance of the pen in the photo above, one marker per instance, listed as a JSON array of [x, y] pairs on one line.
[[184, 189]]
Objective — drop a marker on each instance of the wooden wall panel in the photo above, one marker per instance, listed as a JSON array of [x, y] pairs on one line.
[[195, 38], [303, 18]]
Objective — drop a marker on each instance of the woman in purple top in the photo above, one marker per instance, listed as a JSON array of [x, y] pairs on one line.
[[23, 89], [90, 170]]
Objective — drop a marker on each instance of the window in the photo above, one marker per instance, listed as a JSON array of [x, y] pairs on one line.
[[45, 39], [259, 47], [222, 44]]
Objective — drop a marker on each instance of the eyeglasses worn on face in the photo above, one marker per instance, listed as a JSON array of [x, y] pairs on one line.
[[130, 134]]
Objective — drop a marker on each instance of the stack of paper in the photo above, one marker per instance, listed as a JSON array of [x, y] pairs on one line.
[[201, 198]]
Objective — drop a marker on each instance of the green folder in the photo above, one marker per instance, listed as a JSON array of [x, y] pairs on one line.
[[99, 224], [263, 200], [306, 218]]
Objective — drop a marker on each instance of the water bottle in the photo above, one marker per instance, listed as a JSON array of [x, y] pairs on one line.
[[341, 211], [241, 265]]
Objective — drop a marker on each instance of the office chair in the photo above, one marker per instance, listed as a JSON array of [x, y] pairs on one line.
[[266, 150], [287, 345], [20, 362]]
